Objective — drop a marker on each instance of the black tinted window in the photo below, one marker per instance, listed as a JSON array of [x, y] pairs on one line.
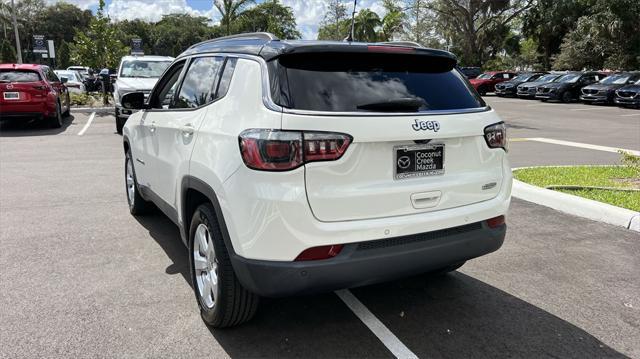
[[372, 82], [200, 81], [18, 76], [225, 80]]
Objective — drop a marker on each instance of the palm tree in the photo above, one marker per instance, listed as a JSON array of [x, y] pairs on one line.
[[230, 10], [366, 25]]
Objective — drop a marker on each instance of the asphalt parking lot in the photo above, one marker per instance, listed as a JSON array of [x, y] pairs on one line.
[[80, 277]]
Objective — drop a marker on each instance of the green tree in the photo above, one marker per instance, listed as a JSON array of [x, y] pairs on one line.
[[419, 23], [230, 11], [61, 20], [366, 26], [270, 16], [607, 38], [7, 52], [176, 32], [335, 24], [63, 55], [98, 47], [548, 21], [137, 29], [392, 23]]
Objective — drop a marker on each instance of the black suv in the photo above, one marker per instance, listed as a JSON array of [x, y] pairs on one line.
[[567, 87], [604, 90], [508, 88], [628, 95], [528, 89]]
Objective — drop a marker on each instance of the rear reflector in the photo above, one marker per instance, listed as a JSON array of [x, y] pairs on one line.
[[495, 222], [317, 253]]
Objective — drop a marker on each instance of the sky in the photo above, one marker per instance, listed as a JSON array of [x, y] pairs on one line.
[[308, 13]]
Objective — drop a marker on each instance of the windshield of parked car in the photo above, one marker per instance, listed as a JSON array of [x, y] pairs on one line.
[[71, 76], [547, 78], [569, 78], [142, 68], [619, 79], [19, 76], [372, 82], [484, 76]]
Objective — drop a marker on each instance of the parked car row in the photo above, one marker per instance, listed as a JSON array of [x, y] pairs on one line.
[[621, 88]]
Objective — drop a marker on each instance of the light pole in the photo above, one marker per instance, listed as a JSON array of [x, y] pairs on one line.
[[15, 30]]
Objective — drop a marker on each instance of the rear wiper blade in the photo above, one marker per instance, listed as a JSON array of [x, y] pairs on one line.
[[410, 104]]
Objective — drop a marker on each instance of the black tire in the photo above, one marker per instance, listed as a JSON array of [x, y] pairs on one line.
[[137, 204], [67, 112], [55, 121], [233, 304], [482, 91], [119, 123], [543, 99], [566, 97]]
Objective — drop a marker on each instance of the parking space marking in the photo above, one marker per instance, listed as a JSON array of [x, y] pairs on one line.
[[86, 125], [630, 114], [582, 145], [395, 346]]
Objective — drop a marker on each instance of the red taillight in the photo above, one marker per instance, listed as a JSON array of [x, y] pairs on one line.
[[275, 150], [495, 222], [317, 253], [496, 136]]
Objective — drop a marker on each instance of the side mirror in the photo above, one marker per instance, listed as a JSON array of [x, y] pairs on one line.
[[133, 101], [64, 80]]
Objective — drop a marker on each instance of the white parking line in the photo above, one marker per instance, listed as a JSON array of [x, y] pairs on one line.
[[582, 145], [395, 346], [86, 125], [631, 114]]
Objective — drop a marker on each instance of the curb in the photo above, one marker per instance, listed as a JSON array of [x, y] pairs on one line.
[[92, 109], [577, 206]]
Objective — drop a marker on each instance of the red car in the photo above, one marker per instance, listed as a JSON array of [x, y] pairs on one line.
[[30, 90], [488, 80]]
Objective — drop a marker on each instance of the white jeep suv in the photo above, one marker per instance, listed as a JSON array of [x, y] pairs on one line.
[[296, 167]]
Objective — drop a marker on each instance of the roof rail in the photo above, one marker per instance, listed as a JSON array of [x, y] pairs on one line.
[[249, 35], [402, 43]]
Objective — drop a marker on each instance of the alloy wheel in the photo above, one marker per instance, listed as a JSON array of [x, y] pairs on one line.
[[206, 266]]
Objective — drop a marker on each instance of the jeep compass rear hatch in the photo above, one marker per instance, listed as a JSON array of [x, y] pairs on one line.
[[417, 130]]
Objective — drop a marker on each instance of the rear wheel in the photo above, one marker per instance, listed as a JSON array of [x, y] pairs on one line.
[[482, 91], [223, 301], [566, 97], [55, 121]]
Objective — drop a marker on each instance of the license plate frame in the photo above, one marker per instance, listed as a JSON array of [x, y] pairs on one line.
[[432, 154], [13, 96]]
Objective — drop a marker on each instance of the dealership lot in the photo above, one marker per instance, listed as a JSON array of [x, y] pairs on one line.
[[82, 278]]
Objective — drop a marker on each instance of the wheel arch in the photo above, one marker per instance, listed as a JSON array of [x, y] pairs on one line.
[[194, 193]]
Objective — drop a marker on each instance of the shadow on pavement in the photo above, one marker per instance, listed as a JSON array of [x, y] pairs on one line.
[[451, 315], [32, 127]]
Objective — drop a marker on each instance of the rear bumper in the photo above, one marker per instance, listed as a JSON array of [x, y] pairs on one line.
[[20, 115], [369, 262]]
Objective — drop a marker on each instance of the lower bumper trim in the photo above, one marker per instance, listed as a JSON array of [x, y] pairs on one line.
[[364, 263]]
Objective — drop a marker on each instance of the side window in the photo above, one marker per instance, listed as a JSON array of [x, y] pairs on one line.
[[506, 76], [51, 76], [163, 97], [225, 80], [200, 82]]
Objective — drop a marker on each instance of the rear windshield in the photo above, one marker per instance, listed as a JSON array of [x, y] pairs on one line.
[[19, 76], [369, 82]]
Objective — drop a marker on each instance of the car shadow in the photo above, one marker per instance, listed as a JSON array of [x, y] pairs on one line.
[[32, 127], [452, 315]]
